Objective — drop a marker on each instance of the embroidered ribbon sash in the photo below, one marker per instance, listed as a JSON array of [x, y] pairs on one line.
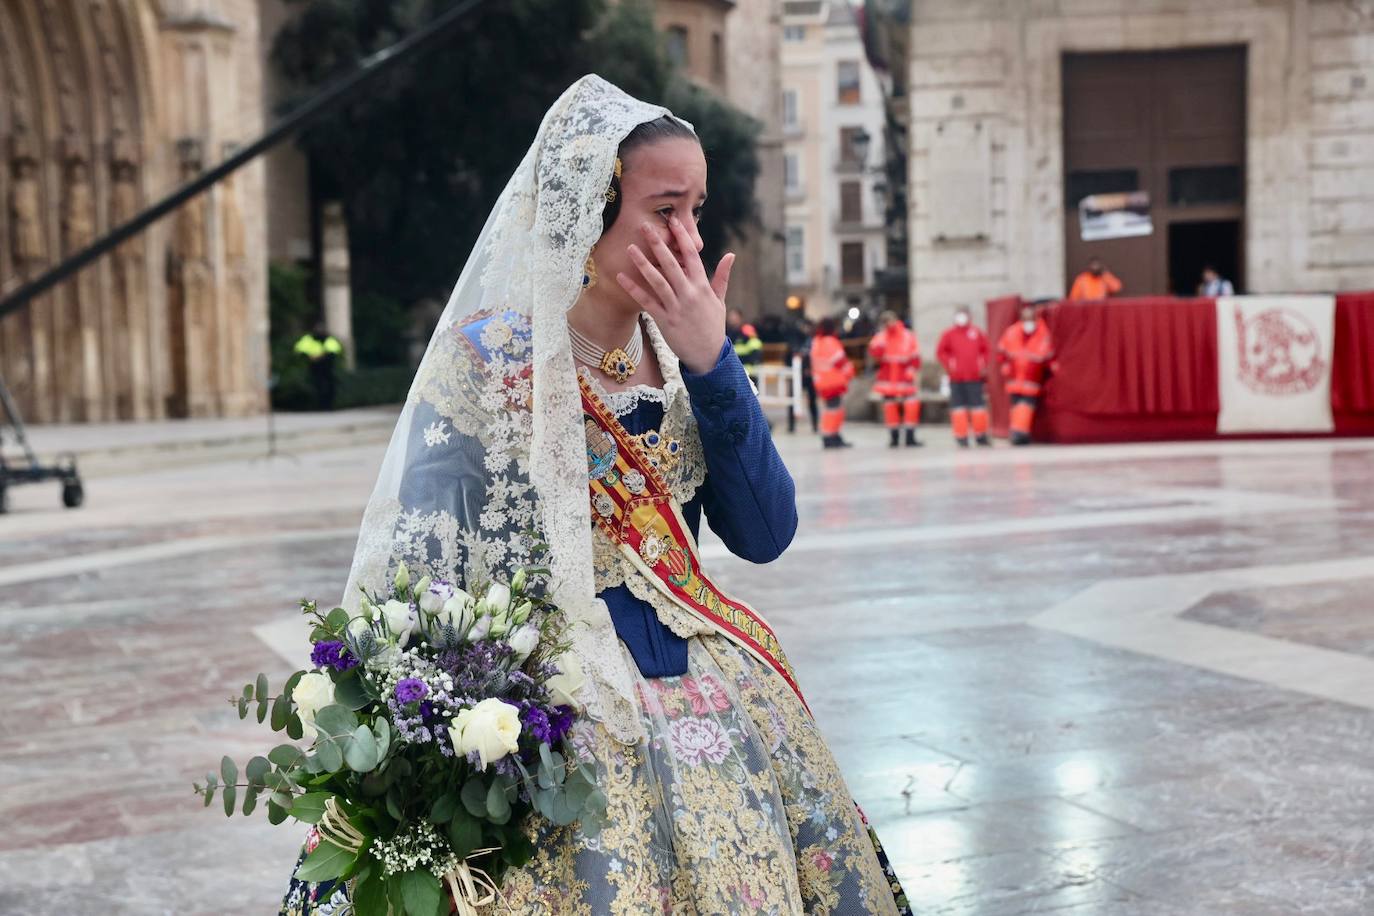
[[631, 503]]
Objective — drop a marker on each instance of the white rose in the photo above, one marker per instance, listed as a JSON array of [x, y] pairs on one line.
[[491, 728], [524, 641], [564, 686], [457, 610], [312, 693], [400, 619]]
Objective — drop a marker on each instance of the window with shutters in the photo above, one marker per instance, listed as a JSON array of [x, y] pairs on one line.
[[851, 202], [852, 263]]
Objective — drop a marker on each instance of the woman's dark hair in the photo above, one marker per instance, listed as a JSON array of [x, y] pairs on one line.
[[664, 128], [825, 327]]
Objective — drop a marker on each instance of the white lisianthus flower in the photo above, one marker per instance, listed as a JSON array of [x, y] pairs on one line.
[[480, 629], [564, 685], [524, 641], [491, 728], [522, 612], [517, 583], [435, 595], [400, 619], [457, 610], [313, 692], [497, 600], [402, 576]]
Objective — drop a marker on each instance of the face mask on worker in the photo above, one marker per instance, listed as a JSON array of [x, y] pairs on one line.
[[1028, 326], [961, 319]]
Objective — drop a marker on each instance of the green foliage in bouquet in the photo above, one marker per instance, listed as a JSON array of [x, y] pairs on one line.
[[436, 729]]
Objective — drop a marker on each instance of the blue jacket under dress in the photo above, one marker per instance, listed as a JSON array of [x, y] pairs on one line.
[[749, 499]]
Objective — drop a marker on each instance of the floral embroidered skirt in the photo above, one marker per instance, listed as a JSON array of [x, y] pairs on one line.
[[734, 806]]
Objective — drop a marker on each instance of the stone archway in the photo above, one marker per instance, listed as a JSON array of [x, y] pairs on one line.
[[104, 107]]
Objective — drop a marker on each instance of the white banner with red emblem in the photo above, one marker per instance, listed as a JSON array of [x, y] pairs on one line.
[[1274, 363]]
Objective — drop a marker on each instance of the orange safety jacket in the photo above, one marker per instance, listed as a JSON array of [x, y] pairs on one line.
[[1087, 287], [830, 367], [898, 355], [1026, 359]]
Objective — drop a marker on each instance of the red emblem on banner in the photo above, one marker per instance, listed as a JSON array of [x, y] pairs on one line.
[[1280, 352]]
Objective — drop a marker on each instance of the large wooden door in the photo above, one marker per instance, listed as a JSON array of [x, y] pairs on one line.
[[1171, 123]]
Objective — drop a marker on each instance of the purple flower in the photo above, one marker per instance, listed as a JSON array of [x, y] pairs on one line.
[[536, 722], [411, 689], [560, 723], [332, 654]]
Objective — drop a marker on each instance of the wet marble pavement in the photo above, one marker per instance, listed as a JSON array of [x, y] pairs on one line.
[[1117, 680]]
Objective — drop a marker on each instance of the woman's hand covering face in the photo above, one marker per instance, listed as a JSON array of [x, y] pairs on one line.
[[687, 305]]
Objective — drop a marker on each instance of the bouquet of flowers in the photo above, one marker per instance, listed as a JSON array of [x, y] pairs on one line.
[[435, 726]]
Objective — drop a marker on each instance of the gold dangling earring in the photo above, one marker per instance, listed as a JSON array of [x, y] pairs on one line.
[[589, 277]]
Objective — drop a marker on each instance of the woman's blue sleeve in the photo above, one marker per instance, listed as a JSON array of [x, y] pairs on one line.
[[749, 498]]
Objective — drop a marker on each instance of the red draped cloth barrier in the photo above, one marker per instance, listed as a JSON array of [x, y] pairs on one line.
[[1132, 370]]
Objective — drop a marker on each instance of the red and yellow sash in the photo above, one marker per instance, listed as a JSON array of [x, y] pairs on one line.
[[631, 503]]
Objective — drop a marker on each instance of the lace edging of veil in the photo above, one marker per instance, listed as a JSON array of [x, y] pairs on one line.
[[490, 446]]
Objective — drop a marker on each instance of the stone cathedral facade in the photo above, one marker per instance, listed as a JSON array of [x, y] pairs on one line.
[[106, 106]]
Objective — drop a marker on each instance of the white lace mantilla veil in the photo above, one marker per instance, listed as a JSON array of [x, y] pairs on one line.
[[490, 445]]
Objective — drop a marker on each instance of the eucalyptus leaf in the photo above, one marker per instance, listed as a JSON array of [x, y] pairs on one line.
[[276, 814], [282, 799], [443, 810], [228, 771], [498, 805], [421, 891], [294, 729], [326, 863], [260, 691], [262, 710], [257, 770], [337, 619], [329, 756], [475, 797], [360, 751], [393, 803], [335, 721], [243, 707], [247, 691], [285, 755], [231, 794], [464, 833], [351, 692], [381, 730], [281, 712], [308, 808], [250, 800], [291, 682]]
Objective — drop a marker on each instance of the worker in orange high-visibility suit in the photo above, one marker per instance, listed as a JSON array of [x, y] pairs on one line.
[[831, 370], [964, 352], [1026, 352], [898, 355], [1097, 282]]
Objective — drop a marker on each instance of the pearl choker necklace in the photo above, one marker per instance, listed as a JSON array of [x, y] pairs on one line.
[[619, 363]]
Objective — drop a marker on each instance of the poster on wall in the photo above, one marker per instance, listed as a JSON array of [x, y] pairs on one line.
[[1114, 216], [1274, 363]]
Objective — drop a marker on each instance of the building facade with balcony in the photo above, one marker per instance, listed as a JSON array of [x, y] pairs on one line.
[[1248, 126], [832, 125]]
